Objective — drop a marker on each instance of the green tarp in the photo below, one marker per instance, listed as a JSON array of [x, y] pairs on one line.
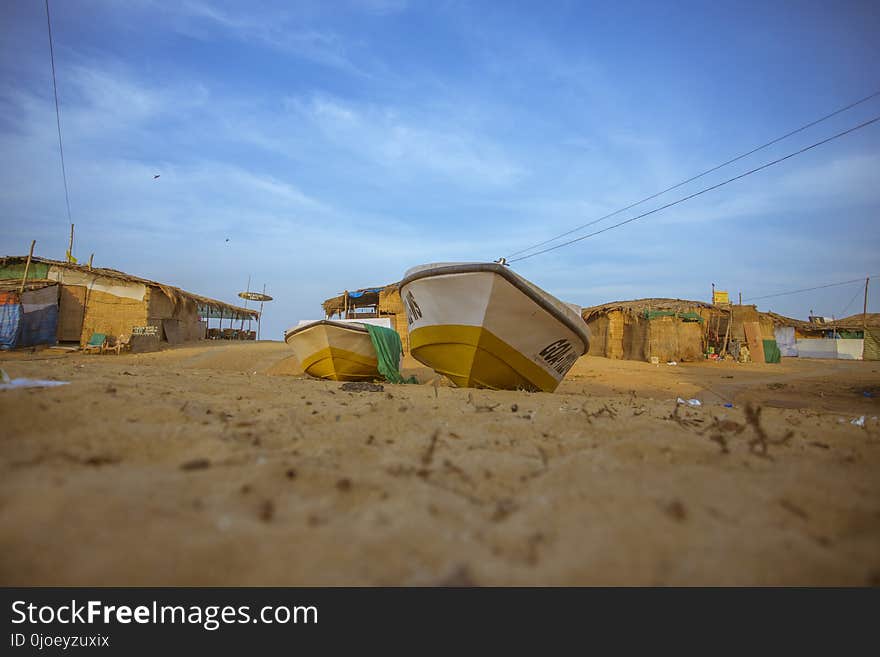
[[871, 350], [771, 352], [689, 316], [388, 348], [37, 271]]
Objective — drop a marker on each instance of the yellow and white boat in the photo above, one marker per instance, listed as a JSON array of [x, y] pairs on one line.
[[334, 350], [484, 326]]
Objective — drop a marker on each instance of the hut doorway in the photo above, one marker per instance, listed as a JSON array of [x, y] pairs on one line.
[[71, 308]]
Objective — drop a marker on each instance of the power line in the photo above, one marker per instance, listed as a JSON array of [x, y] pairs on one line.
[[810, 289], [846, 307], [700, 175], [58, 114], [702, 191]]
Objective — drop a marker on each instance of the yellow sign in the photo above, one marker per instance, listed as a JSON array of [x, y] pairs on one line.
[[720, 297]]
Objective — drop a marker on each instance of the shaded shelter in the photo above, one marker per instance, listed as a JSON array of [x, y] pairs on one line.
[[371, 302], [90, 300]]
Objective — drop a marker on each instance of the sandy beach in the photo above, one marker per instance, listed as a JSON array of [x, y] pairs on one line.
[[222, 464]]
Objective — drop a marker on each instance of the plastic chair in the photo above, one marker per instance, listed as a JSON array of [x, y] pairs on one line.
[[121, 343], [95, 343]]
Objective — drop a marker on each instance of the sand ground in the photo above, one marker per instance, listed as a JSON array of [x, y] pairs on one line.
[[221, 464]]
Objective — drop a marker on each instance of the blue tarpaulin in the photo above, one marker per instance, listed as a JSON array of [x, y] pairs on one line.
[[360, 293], [39, 317], [29, 318]]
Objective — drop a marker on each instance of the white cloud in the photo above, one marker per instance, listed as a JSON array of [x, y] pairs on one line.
[[408, 147], [279, 28]]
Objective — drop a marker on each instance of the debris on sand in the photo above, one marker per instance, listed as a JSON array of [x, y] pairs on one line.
[[428, 456], [605, 410], [503, 508], [267, 510], [481, 408], [362, 386], [196, 464], [760, 445], [9, 384], [676, 510], [720, 428], [683, 421]]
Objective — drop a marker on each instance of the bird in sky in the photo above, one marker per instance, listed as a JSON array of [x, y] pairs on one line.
[[156, 176]]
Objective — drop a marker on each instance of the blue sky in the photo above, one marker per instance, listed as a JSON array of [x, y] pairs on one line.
[[336, 144]]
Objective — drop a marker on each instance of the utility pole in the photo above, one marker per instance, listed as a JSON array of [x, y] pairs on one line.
[[865, 307]]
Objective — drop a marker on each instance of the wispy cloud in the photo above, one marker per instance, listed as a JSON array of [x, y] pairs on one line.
[[278, 29], [407, 147]]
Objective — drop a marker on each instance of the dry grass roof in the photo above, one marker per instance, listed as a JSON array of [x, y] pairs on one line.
[[782, 320], [853, 322], [174, 293], [8, 285], [365, 296], [638, 306], [857, 321]]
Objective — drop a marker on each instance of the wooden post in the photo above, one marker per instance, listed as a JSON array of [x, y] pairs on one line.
[[260, 316], [246, 302], [727, 333], [27, 266], [70, 246], [91, 257]]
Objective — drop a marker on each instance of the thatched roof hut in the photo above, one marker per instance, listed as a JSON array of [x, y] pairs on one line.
[[101, 300], [368, 302], [642, 306], [668, 329]]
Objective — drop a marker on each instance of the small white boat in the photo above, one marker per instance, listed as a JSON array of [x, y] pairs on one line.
[[484, 326], [334, 350]]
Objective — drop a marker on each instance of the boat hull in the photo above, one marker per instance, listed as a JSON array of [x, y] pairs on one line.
[[485, 327], [334, 351]]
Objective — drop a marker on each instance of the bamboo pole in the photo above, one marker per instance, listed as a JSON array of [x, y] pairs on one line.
[[260, 316], [27, 266], [246, 303], [726, 334], [70, 246]]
